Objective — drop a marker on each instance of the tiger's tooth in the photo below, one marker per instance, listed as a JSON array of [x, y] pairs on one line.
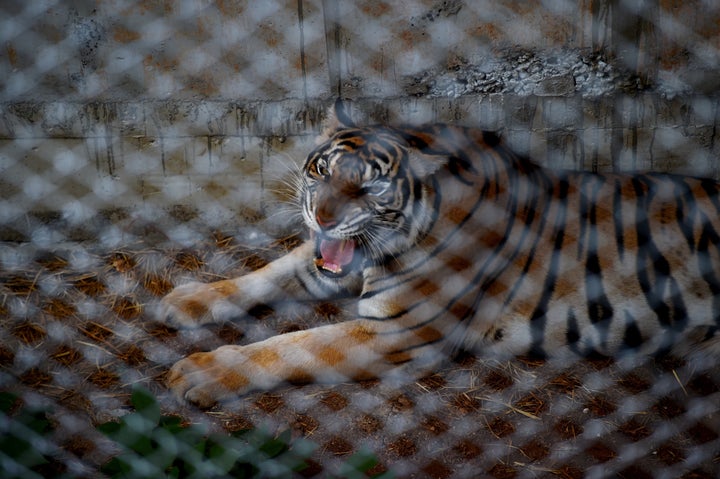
[[333, 268]]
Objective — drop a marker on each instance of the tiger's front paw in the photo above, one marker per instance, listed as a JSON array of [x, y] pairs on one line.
[[207, 378], [193, 304]]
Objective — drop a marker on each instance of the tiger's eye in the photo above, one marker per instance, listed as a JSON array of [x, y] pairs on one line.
[[321, 169]]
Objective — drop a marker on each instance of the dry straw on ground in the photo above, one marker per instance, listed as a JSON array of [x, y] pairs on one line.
[[79, 330]]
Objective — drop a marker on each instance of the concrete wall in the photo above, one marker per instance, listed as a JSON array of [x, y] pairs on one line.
[[235, 49], [139, 114]]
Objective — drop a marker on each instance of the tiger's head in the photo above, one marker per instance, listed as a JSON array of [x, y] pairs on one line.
[[362, 196]]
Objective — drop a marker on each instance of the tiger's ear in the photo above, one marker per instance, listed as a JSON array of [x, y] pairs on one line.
[[423, 160], [337, 119], [424, 165]]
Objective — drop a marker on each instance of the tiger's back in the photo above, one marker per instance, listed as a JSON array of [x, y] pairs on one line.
[[521, 258], [633, 267], [449, 240]]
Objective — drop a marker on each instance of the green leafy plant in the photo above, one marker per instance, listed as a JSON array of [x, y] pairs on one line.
[[24, 450], [156, 445], [358, 464]]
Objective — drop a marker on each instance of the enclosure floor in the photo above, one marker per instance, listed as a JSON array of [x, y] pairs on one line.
[[79, 329]]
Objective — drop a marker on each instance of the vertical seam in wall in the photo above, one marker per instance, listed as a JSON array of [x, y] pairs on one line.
[[301, 25], [711, 155], [331, 12], [616, 138]]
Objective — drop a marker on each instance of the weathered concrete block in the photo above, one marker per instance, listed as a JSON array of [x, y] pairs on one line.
[[559, 85]]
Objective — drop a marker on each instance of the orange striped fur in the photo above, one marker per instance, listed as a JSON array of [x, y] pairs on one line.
[[449, 240]]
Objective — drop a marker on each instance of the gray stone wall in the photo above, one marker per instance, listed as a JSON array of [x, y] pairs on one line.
[[149, 114]]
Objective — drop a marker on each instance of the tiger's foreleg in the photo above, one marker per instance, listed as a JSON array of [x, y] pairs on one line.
[[351, 350], [292, 277]]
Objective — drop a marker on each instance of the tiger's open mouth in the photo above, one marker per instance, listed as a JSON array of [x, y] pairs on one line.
[[336, 257]]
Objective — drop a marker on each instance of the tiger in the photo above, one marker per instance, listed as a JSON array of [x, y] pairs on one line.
[[446, 240]]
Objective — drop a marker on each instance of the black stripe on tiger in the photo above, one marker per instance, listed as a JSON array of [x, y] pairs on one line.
[[650, 259], [632, 336], [587, 182], [559, 201], [600, 311], [490, 275], [618, 226], [712, 189], [685, 211], [538, 319], [709, 237], [572, 333]]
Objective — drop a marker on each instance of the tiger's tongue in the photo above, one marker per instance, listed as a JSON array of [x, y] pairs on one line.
[[336, 254]]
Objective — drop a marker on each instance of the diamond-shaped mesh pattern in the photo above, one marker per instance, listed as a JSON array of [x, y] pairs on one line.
[[144, 144]]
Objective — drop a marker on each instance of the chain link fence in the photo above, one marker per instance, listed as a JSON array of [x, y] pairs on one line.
[[144, 144]]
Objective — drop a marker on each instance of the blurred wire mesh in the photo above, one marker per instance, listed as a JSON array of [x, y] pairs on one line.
[[147, 143]]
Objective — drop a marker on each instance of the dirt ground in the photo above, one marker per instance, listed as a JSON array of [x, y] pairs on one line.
[[78, 331]]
